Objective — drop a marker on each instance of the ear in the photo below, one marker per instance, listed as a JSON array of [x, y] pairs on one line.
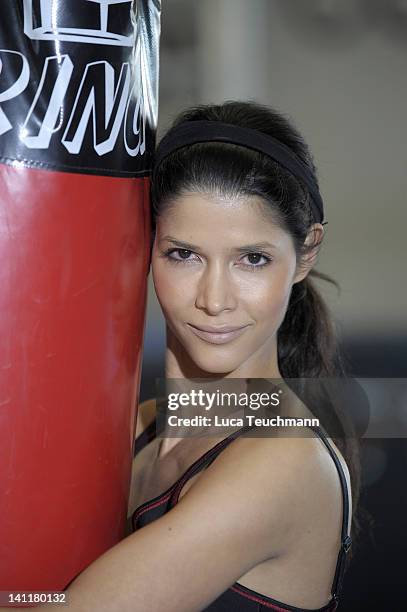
[[312, 244]]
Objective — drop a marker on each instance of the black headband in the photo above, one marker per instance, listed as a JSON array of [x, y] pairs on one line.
[[193, 132]]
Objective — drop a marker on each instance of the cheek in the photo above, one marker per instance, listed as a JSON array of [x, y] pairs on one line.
[[172, 287], [163, 287], [268, 299]]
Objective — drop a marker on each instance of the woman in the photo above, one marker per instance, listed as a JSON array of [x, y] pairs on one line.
[[238, 523]]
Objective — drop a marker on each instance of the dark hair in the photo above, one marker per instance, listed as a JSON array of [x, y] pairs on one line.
[[307, 342]]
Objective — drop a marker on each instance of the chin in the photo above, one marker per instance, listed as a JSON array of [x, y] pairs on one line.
[[213, 363]]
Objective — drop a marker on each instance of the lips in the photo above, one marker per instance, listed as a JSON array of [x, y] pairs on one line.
[[217, 335]]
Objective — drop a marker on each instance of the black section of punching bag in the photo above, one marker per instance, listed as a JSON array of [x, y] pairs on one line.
[[78, 89]]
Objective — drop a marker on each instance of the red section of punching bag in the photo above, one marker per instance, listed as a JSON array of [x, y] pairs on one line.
[[74, 256], [78, 111]]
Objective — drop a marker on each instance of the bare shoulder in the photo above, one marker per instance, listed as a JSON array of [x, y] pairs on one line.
[[145, 415], [286, 456], [275, 482]]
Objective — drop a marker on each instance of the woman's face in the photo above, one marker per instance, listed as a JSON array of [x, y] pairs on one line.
[[223, 272]]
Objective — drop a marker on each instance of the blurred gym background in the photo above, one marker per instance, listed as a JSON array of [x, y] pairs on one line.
[[338, 69]]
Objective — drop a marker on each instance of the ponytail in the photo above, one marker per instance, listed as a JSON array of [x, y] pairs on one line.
[[307, 342], [308, 349]]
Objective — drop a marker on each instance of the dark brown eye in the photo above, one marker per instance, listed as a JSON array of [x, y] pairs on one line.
[[254, 258], [184, 253], [181, 256], [255, 261]]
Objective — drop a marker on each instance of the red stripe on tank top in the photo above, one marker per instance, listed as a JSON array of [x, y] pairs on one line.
[[272, 606], [258, 600], [138, 513]]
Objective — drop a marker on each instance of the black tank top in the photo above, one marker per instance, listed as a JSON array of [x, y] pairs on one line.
[[239, 598]]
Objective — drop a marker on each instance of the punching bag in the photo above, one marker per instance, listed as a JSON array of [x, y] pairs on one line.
[[78, 108]]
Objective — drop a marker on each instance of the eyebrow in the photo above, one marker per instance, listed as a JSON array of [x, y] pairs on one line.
[[258, 246], [182, 245]]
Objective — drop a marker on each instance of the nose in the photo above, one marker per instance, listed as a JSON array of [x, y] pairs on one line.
[[215, 292]]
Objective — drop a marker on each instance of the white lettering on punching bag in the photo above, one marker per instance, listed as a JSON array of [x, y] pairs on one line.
[[97, 94], [14, 90], [105, 100], [62, 66], [56, 26]]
